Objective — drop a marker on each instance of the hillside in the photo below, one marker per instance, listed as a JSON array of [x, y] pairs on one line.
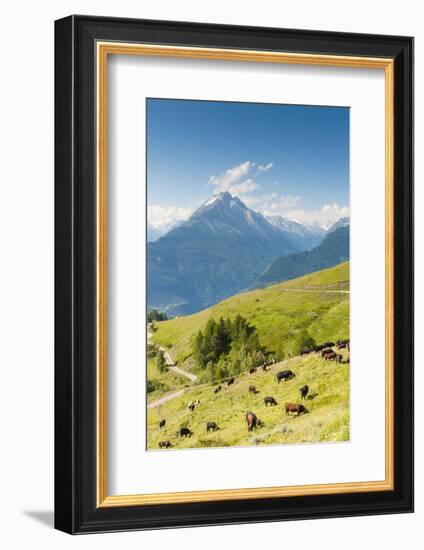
[[318, 302], [327, 420], [333, 250], [219, 251]]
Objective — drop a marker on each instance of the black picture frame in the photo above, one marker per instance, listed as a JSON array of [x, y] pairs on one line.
[[75, 275]]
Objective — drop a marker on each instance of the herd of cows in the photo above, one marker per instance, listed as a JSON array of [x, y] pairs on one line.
[[327, 352]]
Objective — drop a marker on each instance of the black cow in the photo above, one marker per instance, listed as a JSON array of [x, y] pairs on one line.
[[304, 391], [342, 343], [332, 356], [165, 444], [162, 423], [211, 427], [218, 389], [285, 375], [185, 432], [270, 401], [252, 370], [252, 421], [230, 381]]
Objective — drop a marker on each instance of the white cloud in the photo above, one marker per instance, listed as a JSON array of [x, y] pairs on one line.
[[162, 217], [238, 180], [264, 167], [232, 176], [272, 204], [325, 217], [246, 186]]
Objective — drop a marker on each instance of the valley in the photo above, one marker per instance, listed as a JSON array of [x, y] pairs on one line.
[[317, 303]]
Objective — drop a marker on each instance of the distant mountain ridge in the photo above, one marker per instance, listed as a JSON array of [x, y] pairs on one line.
[[333, 250], [220, 250], [305, 236], [342, 222]]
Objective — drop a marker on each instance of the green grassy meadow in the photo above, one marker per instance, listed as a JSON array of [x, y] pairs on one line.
[[278, 312], [327, 420]]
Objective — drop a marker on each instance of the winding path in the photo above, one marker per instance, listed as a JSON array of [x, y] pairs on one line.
[[170, 364], [164, 399], [319, 291]]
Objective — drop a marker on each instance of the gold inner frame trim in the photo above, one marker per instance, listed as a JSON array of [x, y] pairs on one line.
[[104, 49]]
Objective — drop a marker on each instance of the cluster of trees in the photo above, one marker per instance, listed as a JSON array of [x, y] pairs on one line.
[[227, 346], [303, 341], [155, 315], [154, 351]]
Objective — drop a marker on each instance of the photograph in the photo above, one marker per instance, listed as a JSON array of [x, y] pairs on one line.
[[248, 270]]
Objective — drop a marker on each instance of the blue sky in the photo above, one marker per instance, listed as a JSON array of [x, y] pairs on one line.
[[279, 159]]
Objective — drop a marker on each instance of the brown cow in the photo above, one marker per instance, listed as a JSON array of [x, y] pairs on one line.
[[330, 356], [252, 421], [296, 408]]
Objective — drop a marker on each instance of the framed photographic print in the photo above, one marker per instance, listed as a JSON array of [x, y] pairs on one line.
[[234, 274]]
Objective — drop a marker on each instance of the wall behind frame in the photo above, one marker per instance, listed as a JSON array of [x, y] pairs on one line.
[[26, 289]]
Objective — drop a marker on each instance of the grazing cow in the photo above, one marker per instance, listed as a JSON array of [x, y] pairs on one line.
[[318, 348], [211, 427], [328, 344], [330, 356], [162, 423], [165, 444], [218, 389], [326, 351], [230, 381], [185, 432], [270, 401], [252, 370], [265, 367], [296, 408], [342, 345], [285, 375], [252, 421], [193, 405], [304, 391], [253, 389]]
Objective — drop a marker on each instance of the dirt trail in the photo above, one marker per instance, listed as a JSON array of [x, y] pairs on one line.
[[317, 290], [164, 399]]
